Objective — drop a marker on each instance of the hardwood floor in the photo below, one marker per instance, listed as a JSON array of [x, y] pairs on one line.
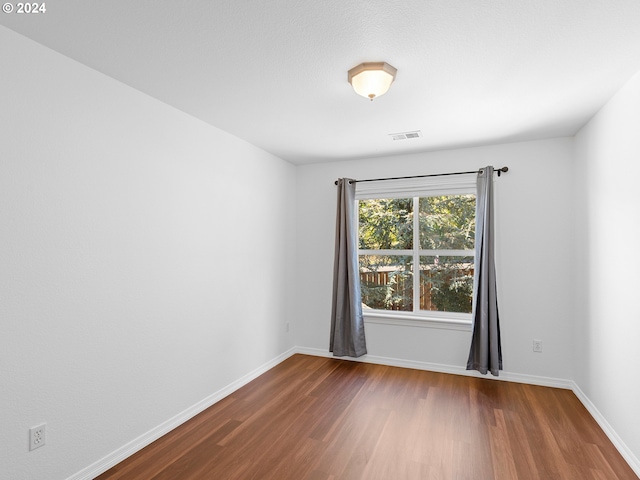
[[325, 419]]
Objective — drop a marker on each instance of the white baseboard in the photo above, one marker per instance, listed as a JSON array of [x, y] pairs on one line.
[[142, 441], [626, 453], [152, 435], [440, 368]]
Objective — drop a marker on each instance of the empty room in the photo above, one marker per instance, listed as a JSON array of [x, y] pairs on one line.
[[321, 240]]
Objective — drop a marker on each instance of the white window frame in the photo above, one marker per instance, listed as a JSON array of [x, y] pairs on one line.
[[407, 188]]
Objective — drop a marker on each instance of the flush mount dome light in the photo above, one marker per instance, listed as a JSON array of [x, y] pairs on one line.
[[372, 79]]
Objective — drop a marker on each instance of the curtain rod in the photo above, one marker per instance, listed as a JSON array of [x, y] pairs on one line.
[[499, 170]]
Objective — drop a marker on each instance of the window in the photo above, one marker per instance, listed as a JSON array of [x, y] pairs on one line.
[[416, 248]]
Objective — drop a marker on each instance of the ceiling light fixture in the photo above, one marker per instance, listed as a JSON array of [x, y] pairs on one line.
[[372, 79]]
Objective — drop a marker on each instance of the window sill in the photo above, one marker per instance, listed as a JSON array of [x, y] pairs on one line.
[[412, 320]]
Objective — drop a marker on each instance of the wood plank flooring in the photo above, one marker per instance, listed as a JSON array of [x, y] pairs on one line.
[[313, 418]]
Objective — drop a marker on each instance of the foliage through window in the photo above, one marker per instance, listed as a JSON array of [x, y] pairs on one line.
[[431, 235]]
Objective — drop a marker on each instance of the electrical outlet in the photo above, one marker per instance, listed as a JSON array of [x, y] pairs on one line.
[[37, 436], [537, 346]]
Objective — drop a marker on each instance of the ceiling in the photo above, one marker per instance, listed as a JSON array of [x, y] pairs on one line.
[[274, 72]]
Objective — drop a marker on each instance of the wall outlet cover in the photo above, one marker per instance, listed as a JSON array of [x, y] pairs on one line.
[[37, 436]]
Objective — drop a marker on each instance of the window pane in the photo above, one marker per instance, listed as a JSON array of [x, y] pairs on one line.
[[446, 283], [447, 222], [386, 282], [386, 223]]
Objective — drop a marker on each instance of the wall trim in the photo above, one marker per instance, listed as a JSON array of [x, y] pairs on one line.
[[152, 435], [451, 369], [626, 453], [414, 321]]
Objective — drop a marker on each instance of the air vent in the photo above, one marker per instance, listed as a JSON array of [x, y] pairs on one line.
[[405, 135]]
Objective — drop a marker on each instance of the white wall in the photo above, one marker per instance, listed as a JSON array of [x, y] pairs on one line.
[[607, 324], [534, 259], [128, 233]]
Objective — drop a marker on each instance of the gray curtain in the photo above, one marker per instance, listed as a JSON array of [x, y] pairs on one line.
[[347, 324], [486, 352]]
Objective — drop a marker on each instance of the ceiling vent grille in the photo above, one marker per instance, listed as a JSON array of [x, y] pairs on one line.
[[406, 135]]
